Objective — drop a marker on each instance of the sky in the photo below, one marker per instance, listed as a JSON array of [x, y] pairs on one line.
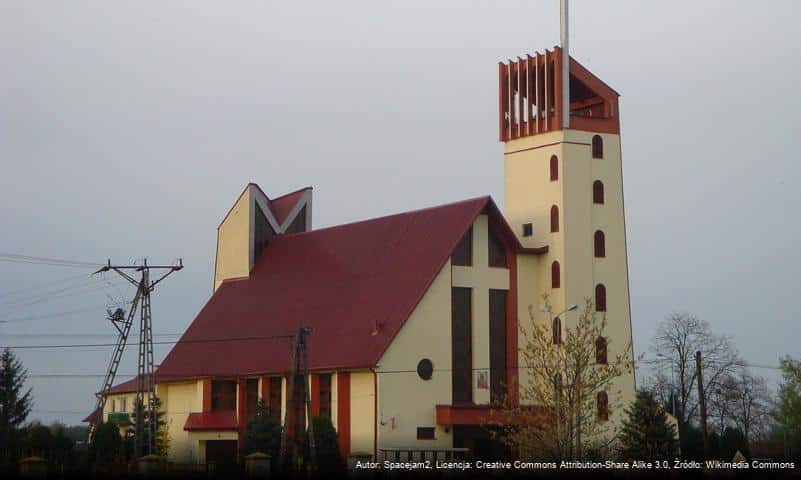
[[127, 130]]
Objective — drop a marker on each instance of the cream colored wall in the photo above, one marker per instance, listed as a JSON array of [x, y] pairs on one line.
[[405, 396], [113, 403], [529, 194], [233, 241], [362, 412], [178, 401]]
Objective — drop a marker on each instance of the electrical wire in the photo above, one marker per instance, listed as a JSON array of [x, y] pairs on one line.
[[16, 257]]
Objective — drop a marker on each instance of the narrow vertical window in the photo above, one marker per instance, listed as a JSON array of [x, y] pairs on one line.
[[463, 254], [557, 387], [599, 243], [598, 192], [602, 405], [251, 396], [554, 168], [554, 218], [600, 351], [528, 229], [556, 281], [462, 345], [325, 395], [600, 298], [274, 406], [497, 324], [557, 331], [597, 147]]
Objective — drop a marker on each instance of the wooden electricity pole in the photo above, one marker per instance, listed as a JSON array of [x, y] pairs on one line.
[[702, 402]]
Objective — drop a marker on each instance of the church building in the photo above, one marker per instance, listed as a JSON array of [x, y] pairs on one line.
[[414, 318]]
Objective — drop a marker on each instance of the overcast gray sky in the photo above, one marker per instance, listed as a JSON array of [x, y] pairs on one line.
[[127, 129]]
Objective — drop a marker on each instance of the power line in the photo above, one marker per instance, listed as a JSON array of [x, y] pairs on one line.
[[165, 342], [43, 284], [56, 315], [16, 257]]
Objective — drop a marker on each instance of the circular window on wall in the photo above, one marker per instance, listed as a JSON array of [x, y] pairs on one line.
[[425, 369]]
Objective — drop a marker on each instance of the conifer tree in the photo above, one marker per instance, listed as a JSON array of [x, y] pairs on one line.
[[646, 432], [15, 402]]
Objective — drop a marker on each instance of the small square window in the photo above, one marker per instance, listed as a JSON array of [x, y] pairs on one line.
[[528, 229], [425, 433]]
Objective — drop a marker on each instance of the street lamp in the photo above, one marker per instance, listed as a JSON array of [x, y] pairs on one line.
[[545, 309]]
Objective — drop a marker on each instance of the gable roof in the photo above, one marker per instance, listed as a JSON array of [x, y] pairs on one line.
[[340, 281], [283, 205]]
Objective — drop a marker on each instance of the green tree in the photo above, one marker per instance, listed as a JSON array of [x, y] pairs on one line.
[[264, 434], [326, 447], [788, 408], [106, 444], [558, 401], [15, 405], [162, 434], [646, 431]]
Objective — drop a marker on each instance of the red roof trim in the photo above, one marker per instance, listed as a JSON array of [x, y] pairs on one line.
[[205, 421], [535, 250]]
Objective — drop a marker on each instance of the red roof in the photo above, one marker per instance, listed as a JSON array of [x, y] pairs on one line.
[[93, 417], [222, 420], [340, 281], [281, 206]]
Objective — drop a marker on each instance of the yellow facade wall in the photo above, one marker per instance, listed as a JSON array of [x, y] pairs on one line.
[[178, 400], [405, 397], [233, 241], [529, 195], [362, 413]]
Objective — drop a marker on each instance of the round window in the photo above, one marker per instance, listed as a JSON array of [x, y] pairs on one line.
[[425, 369]]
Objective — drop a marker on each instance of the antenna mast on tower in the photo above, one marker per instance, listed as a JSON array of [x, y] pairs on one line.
[[564, 33]]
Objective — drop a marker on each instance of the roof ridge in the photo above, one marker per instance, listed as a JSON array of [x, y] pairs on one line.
[[373, 219], [308, 187]]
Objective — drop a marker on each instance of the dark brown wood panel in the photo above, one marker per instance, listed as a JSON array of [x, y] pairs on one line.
[[463, 253], [325, 395], [223, 395], [299, 223], [275, 399], [462, 348], [497, 250], [497, 304], [252, 396]]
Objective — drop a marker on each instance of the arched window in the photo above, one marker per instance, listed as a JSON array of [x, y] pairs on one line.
[[602, 404], [554, 218], [554, 168], [557, 386], [600, 298], [557, 331], [600, 244], [597, 146], [555, 275], [598, 192], [600, 351]]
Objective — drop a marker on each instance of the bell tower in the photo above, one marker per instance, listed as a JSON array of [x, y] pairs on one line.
[[563, 186]]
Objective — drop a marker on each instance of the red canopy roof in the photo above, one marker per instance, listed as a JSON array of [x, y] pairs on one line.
[[221, 420], [340, 281]]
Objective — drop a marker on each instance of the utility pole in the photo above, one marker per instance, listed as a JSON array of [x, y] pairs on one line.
[[702, 402], [294, 420], [145, 441]]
